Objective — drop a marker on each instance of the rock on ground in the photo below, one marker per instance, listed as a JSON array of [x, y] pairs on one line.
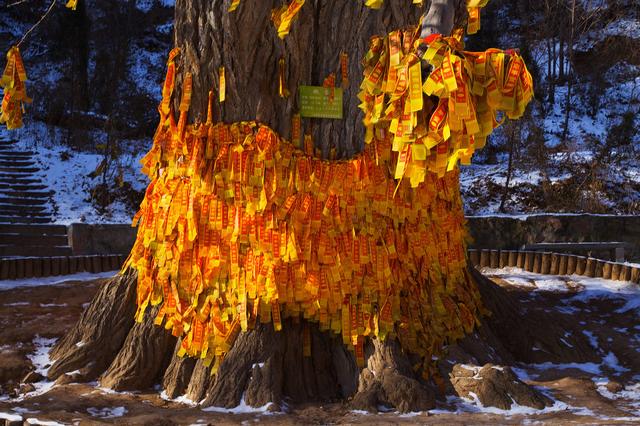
[[495, 386]]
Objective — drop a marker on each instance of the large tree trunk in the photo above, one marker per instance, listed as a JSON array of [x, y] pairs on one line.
[[246, 43], [265, 366]]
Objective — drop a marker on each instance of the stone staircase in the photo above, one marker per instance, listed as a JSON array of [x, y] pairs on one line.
[[25, 217], [24, 198]]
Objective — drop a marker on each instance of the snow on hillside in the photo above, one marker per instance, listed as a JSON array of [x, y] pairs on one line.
[[147, 5], [596, 167], [67, 171]]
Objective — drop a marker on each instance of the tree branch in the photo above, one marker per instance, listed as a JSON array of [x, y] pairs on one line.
[[53, 3], [442, 17]]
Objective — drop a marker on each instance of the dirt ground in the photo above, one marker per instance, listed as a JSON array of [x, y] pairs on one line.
[[607, 393]]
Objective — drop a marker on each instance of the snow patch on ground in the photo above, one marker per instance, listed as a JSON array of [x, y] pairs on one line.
[[10, 417], [576, 291], [589, 288], [611, 361], [473, 405], [242, 408], [631, 395], [40, 358], [37, 422], [101, 389], [41, 362], [36, 282], [107, 412], [593, 339], [587, 367], [181, 399]]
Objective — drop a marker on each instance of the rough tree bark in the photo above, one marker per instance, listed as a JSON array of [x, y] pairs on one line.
[[247, 45], [267, 366]]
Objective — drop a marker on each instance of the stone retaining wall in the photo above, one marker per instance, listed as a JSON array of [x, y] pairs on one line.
[[494, 232], [87, 239], [506, 232], [99, 248]]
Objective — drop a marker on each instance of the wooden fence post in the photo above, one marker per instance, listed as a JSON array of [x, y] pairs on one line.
[[581, 265], [55, 266], [494, 259], [19, 268], [599, 268], [537, 262], [528, 261], [590, 268], [484, 258], [4, 269], [555, 264], [504, 258], [545, 263], [615, 272], [46, 266], [474, 257], [625, 273]]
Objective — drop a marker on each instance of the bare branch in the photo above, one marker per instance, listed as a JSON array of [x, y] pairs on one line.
[[15, 3], [53, 3]]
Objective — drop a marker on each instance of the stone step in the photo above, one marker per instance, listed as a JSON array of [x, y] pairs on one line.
[[21, 215], [34, 229], [12, 180], [20, 201], [14, 162], [24, 211], [8, 209], [14, 158], [34, 250], [6, 177], [10, 192], [34, 240], [13, 218], [12, 153], [18, 169], [24, 220], [22, 187]]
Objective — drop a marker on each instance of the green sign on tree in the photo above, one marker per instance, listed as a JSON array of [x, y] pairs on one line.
[[320, 102]]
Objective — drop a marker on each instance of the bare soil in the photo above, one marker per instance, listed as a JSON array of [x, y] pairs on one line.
[[49, 311]]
